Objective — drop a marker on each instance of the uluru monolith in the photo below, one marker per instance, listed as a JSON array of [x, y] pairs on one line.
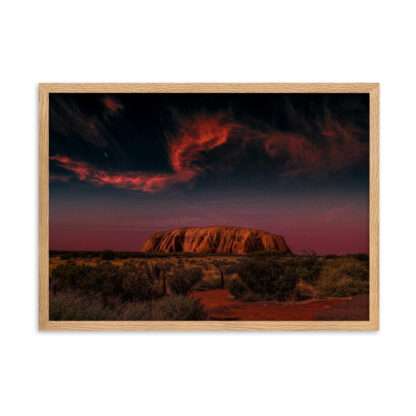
[[215, 239]]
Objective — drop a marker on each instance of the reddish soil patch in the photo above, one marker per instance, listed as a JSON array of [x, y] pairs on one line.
[[357, 309], [220, 305]]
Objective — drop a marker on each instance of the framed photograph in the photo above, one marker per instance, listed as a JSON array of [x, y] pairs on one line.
[[208, 207]]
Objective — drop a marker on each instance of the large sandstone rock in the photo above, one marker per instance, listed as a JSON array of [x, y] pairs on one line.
[[215, 239]]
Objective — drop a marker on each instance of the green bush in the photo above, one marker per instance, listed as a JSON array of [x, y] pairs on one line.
[[238, 289], [182, 281], [178, 308], [170, 308], [268, 278], [106, 279], [69, 276], [141, 281], [344, 276], [134, 311], [307, 268], [70, 306], [342, 288], [272, 277]]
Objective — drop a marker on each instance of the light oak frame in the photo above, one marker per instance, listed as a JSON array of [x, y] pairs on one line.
[[46, 325]]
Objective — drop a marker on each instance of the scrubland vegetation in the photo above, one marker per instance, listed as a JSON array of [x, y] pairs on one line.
[[156, 286], [137, 290], [266, 277]]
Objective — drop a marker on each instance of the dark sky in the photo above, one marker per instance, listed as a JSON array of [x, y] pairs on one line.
[[123, 166]]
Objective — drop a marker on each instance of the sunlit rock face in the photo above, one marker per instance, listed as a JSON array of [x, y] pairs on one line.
[[215, 239]]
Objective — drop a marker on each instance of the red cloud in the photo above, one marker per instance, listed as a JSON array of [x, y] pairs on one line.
[[198, 135], [202, 134], [333, 149], [132, 180], [336, 148], [113, 106]]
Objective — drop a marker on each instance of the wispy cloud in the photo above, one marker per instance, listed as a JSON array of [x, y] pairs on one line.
[[338, 211], [335, 147], [199, 135], [112, 105]]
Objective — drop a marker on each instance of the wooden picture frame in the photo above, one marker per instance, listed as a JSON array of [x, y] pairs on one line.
[[45, 324]]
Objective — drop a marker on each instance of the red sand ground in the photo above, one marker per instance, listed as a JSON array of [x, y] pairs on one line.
[[220, 305]]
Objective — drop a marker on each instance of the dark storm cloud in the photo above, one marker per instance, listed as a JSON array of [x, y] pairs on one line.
[[189, 138]]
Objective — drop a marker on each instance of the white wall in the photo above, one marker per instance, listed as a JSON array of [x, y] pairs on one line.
[[194, 373]]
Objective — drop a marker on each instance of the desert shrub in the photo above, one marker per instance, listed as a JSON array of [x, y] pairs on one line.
[[71, 306], [238, 289], [308, 268], [344, 276], [106, 279], [69, 276], [265, 278], [141, 281], [182, 281], [133, 281], [135, 311], [178, 308], [107, 255], [171, 308], [303, 291], [268, 278], [341, 287]]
